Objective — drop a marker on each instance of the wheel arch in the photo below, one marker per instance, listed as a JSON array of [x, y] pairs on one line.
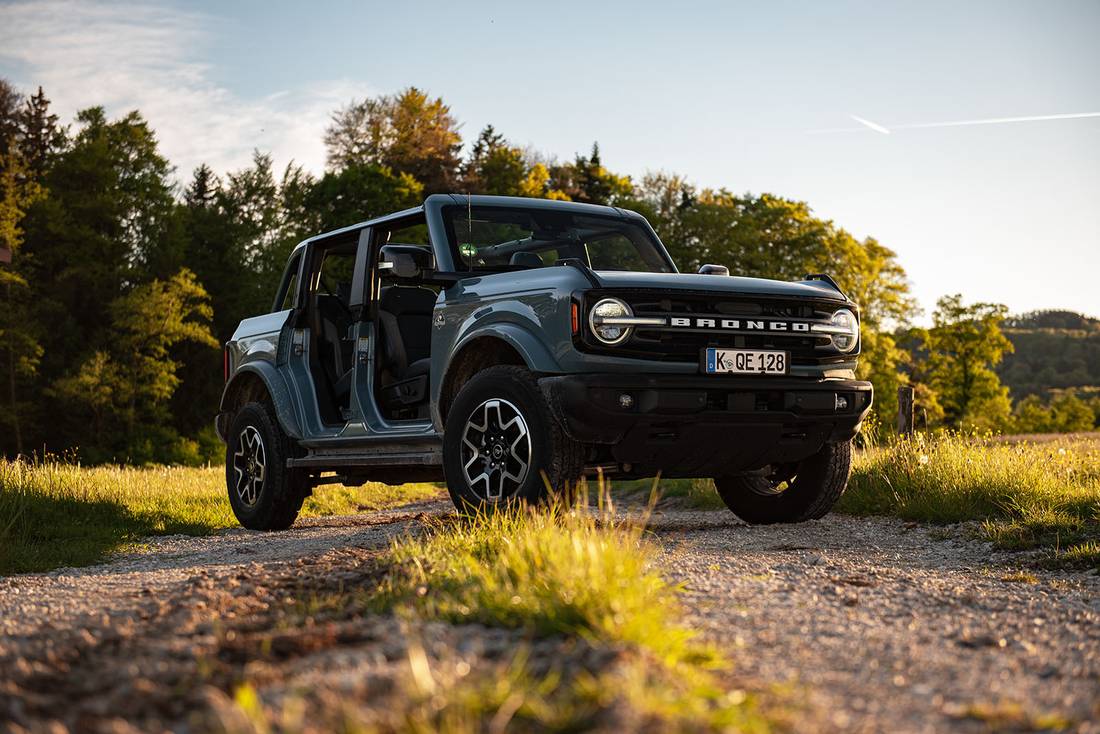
[[473, 355], [256, 382], [485, 349]]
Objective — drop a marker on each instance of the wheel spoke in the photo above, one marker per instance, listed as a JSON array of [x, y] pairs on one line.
[[261, 467]]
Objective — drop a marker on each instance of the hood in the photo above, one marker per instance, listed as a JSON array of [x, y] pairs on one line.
[[720, 284]]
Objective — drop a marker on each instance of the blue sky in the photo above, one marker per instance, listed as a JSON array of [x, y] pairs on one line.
[[728, 94]]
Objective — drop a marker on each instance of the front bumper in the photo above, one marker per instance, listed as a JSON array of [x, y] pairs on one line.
[[702, 426]]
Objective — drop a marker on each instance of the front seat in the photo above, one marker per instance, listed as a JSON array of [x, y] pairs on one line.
[[405, 322], [335, 342]]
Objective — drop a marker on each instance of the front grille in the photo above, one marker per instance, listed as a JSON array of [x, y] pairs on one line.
[[685, 344]]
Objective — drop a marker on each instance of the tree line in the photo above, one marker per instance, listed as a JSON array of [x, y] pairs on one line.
[[122, 283]]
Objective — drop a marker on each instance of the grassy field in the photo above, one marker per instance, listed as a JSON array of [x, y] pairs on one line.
[[59, 514], [1026, 495]]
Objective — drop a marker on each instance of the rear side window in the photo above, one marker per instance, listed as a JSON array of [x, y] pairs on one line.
[[337, 272], [410, 234], [287, 295]]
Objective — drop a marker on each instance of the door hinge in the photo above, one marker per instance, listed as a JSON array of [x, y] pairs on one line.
[[298, 341]]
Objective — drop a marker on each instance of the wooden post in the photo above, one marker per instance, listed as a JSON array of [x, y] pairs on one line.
[[905, 410]]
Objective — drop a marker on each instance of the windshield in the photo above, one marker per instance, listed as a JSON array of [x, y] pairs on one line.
[[498, 238]]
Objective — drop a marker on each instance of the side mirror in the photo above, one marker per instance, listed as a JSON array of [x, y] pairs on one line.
[[713, 270], [405, 262]]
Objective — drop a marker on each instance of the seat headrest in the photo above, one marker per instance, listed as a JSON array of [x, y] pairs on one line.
[[399, 299], [526, 259]]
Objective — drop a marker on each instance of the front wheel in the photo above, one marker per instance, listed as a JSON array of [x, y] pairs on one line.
[[791, 493], [501, 445], [264, 493]]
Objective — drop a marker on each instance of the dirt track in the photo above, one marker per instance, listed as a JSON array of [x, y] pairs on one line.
[[853, 624]]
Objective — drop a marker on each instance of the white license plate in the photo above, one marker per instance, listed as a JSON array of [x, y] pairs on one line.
[[746, 362]]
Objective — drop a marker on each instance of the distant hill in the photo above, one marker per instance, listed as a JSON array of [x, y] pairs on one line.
[[1054, 350]]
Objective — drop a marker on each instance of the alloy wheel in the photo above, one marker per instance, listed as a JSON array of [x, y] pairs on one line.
[[496, 450], [250, 465]]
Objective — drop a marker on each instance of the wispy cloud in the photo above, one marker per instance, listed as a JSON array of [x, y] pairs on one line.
[[149, 57]]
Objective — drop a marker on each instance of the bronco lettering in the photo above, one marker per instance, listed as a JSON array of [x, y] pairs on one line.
[[738, 324]]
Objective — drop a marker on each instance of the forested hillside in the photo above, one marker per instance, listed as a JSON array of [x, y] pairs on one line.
[[126, 275], [1054, 350]]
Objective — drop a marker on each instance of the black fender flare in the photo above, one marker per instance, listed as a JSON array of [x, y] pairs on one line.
[[277, 390]]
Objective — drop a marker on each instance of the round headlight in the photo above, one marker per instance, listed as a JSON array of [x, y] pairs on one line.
[[609, 308], [846, 340]]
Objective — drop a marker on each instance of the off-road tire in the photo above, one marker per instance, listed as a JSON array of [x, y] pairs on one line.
[[818, 484], [556, 461], [283, 490]]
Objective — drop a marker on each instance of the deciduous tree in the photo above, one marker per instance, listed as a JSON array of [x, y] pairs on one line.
[[130, 382], [964, 344], [359, 192], [19, 188], [409, 132], [19, 331]]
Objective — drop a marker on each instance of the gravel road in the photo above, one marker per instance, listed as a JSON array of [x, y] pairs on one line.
[[850, 624]]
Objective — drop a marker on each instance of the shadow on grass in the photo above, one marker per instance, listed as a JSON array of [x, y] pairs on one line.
[[39, 532]]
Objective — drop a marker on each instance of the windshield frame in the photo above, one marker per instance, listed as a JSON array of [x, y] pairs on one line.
[[447, 215]]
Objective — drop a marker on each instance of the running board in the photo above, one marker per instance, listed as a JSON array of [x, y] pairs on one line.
[[373, 459]]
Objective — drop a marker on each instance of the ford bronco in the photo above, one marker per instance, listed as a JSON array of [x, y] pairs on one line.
[[508, 346]]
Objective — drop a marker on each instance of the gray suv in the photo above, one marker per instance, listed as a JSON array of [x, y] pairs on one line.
[[508, 346]]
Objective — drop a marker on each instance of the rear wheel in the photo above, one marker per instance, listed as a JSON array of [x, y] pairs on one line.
[[501, 445], [790, 493], [264, 493]]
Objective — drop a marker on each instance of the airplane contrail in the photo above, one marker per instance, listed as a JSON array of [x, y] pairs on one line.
[[884, 130], [999, 120], [874, 126]]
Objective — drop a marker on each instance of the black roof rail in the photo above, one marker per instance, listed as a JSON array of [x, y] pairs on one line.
[[828, 279]]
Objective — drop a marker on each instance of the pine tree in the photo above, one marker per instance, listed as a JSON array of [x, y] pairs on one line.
[[41, 135]]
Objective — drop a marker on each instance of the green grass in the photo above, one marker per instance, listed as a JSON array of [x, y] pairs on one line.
[[1077, 555], [648, 696], [551, 574], [1025, 495], [698, 494], [1013, 716], [55, 514]]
